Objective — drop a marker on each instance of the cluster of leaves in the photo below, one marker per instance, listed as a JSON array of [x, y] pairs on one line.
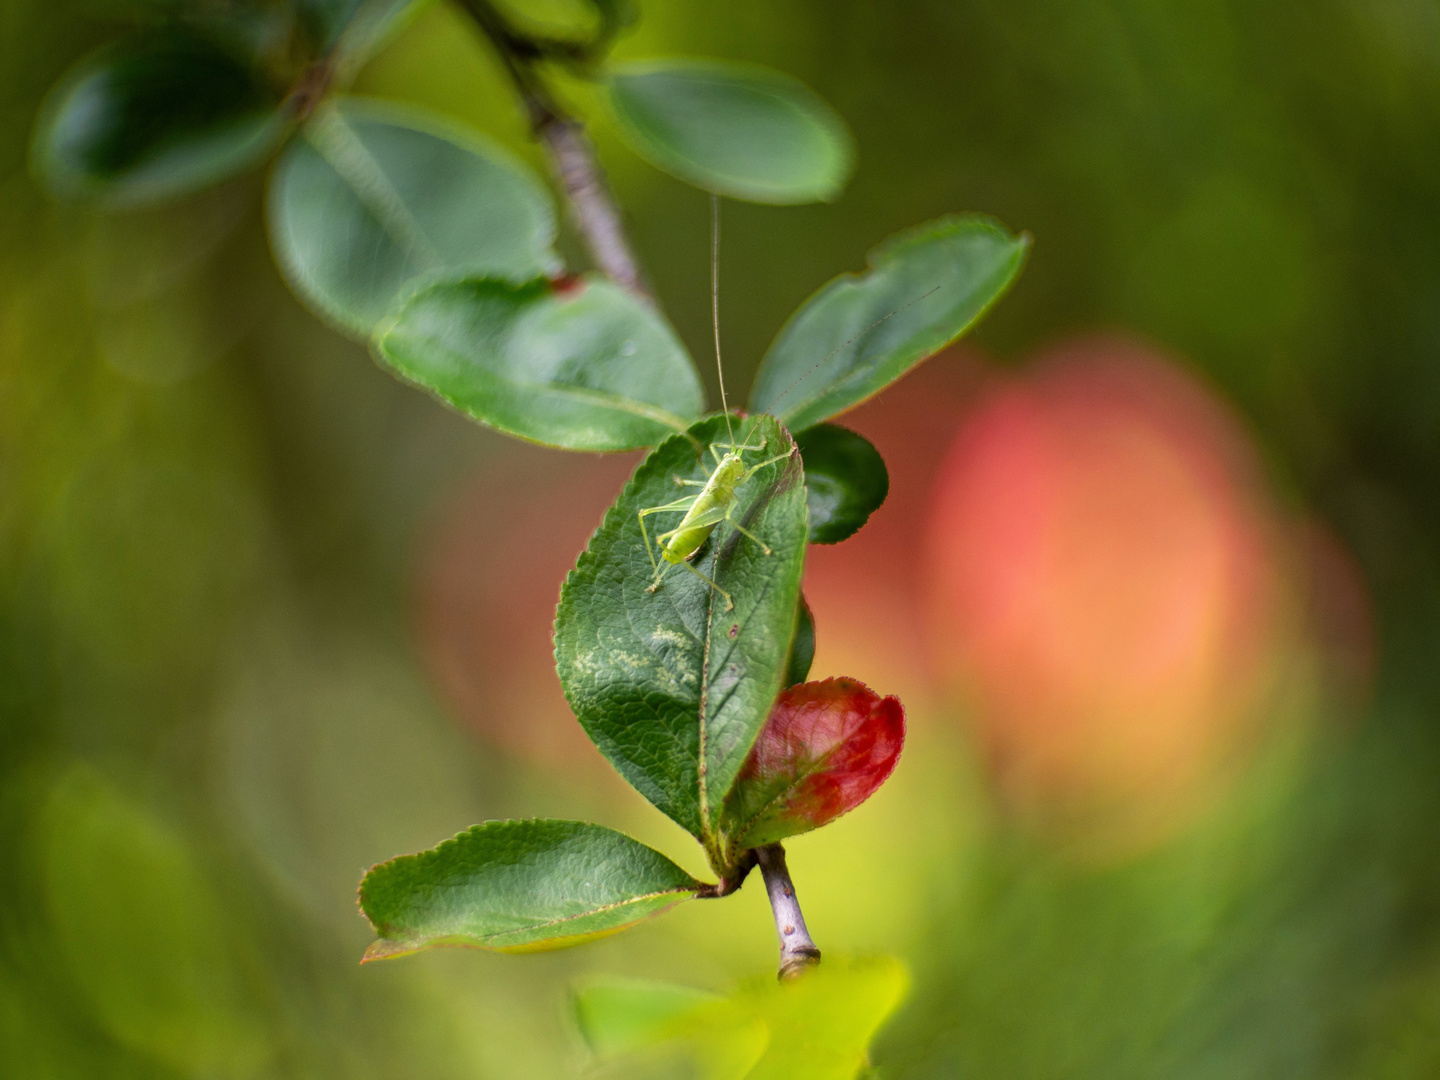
[[435, 247]]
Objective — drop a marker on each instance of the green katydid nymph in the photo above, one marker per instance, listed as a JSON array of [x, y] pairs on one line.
[[715, 502], [719, 495]]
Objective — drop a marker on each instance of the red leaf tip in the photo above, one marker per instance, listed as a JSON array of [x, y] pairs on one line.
[[826, 747]]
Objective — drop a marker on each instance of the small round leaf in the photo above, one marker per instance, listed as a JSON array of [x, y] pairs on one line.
[[154, 117], [585, 367], [376, 200], [845, 481], [735, 129]]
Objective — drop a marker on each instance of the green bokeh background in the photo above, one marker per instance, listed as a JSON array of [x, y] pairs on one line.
[[212, 717]]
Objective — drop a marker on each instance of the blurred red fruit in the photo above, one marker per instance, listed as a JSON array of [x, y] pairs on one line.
[[1104, 580], [825, 749]]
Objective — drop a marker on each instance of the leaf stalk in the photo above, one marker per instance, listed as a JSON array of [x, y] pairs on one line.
[[798, 952]]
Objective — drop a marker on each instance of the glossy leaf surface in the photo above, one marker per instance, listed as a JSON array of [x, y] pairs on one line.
[[734, 129], [670, 685], [845, 481], [802, 649], [585, 367], [518, 886], [376, 200], [817, 1027], [826, 748], [925, 288], [154, 117]]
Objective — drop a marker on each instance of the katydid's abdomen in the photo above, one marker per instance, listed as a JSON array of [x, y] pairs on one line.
[[710, 508]]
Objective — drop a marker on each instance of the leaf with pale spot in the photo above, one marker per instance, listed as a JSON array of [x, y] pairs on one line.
[[671, 686]]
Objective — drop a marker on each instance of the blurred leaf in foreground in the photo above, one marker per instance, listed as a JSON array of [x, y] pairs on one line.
[[154, 117], [816, 1027], [734, 129]]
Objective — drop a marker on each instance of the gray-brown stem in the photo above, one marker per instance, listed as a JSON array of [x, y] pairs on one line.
[[596, 215], [797, 950], [572, 155]]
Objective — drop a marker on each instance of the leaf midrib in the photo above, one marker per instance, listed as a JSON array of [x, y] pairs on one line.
[[335, 140]]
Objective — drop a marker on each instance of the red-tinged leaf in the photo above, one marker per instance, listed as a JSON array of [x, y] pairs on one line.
[[824, 750]]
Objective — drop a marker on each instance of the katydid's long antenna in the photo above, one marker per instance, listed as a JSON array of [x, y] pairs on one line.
[[715, 303]]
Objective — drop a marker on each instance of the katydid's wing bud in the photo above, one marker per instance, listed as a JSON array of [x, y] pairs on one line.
[[824, 750]]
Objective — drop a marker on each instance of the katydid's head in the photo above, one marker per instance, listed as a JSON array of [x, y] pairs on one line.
[[731, 470]]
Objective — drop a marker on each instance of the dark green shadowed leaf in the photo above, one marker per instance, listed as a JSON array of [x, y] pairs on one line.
[[664, 680], [154, 117], [802, 649], [584, 367], [845, 481], [375, 200], [518, 886], [354, 27], [858, 334], [734, 129]]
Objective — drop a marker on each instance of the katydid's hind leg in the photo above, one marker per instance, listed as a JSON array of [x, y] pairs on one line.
[[729, 604], [670, 507], [746, 532], [660, 574]]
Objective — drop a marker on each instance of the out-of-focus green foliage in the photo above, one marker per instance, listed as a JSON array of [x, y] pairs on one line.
[[215, 511], [816, 1028], [154, 117], [587, 366], [375, 200], [735, 130]]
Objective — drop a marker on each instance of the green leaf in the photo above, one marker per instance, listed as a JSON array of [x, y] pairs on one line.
[[623, 1018], [664, 681], [816, 1027], [148, 942], [845, 481], [587, 366], [802, 649], [154, 117], [354, 28], [377, 200], [734, 129], [858, 334], [519, 886]]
